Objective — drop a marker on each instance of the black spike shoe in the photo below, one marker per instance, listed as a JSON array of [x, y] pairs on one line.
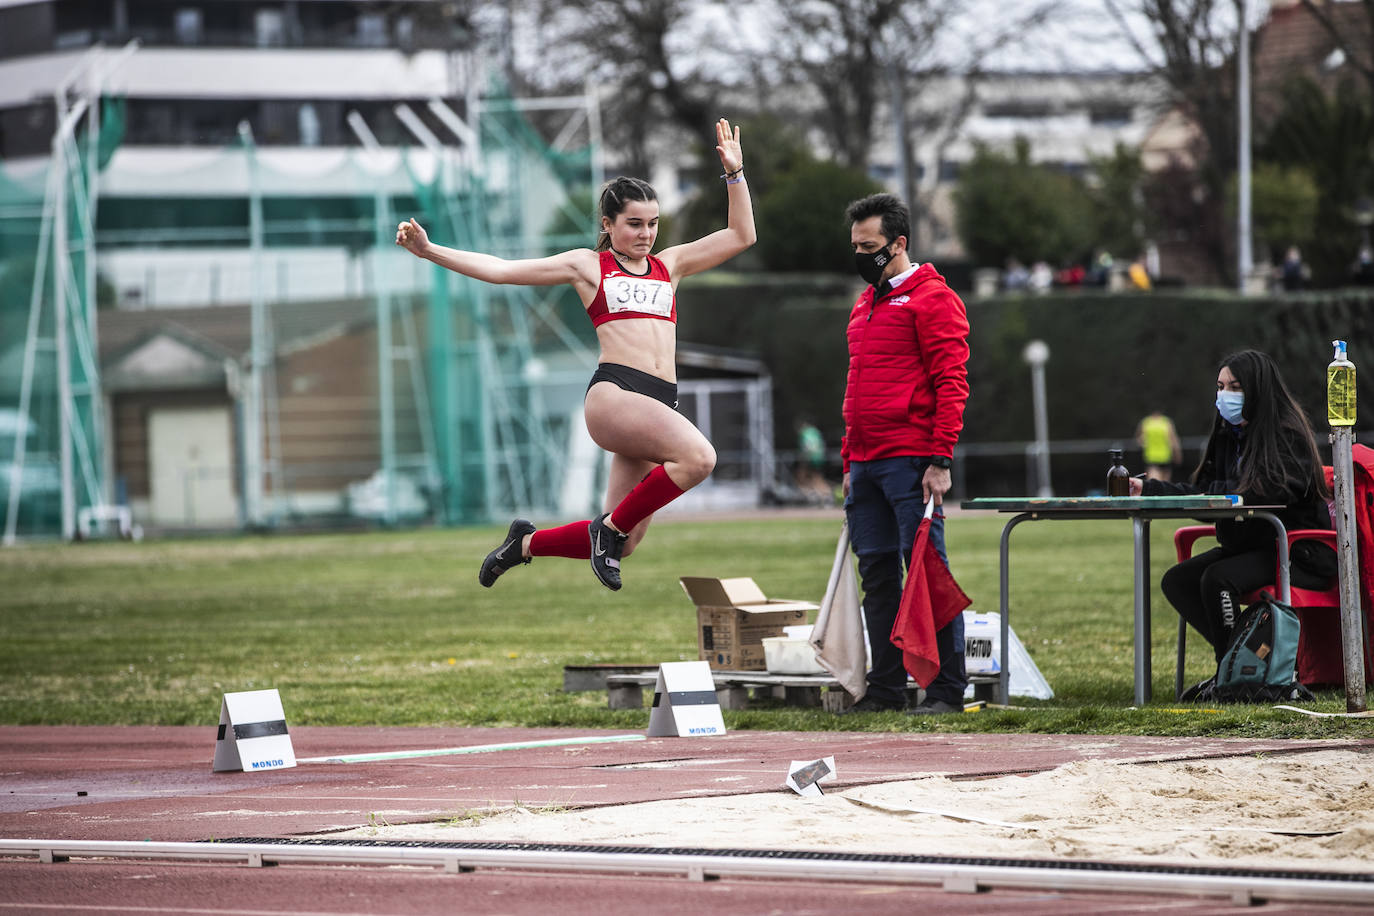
[[508, 555], [607, 546]]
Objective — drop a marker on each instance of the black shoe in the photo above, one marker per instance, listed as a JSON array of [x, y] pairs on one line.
[[869, 704], [1200, 692], [508, 555], [934, 708], [607, 546]]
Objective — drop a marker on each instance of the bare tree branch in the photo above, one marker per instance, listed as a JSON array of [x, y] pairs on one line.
[[628, 45], [1362, 59]]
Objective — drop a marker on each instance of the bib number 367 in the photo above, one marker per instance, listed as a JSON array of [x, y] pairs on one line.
[[633, 294]]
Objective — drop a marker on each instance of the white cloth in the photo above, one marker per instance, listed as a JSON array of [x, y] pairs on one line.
[[838, 636]]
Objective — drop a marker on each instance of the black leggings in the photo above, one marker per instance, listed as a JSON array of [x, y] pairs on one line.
[[1206, 589]]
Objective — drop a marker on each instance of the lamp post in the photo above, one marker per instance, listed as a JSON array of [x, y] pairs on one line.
[[1245, 263], [1036, 354]]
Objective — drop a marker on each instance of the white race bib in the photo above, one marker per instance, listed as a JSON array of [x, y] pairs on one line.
[[639, 294]]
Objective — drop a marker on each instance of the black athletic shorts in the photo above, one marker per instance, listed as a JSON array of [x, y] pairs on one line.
[[636, 381]]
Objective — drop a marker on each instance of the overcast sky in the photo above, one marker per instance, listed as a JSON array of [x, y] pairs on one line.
[[1079, 35]]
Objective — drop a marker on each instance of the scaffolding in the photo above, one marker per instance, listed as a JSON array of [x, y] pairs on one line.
[[55, 472], [476, 402]]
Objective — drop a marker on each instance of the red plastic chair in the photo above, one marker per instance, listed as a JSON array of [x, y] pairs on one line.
[[1330, 598]]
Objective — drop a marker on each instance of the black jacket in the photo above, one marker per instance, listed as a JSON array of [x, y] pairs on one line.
[[1302, 506]]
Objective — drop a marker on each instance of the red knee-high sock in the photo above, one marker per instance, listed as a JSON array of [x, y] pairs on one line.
[[569, 540], [652, 493]]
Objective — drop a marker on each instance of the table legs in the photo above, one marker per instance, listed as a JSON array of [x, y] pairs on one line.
[[1004, 610], [1140, 527], [1141, 588]]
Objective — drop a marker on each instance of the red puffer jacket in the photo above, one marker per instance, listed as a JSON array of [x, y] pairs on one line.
[[908, 378]]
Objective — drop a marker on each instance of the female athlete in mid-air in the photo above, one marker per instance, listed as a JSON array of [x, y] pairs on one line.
[[630, 408]]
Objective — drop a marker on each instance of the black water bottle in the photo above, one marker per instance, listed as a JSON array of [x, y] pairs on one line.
[[1118, 478]]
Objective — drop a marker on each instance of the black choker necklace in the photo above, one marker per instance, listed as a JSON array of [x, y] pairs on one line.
[[624, 260]]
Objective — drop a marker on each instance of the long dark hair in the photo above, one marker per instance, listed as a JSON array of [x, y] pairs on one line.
[[1278, 436], [614, 196]]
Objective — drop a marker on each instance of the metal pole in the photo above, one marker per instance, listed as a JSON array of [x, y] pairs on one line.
[[1244, 254], [386, 397], [1352, 638], [64, 365], [1037, 353], [252, 413]]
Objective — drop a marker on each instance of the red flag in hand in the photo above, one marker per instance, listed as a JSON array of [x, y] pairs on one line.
[[930, 600]]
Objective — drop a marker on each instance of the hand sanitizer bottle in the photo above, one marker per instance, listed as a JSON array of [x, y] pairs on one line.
[[1340, 388]]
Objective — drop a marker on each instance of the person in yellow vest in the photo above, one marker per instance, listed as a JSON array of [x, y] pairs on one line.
[[1159, 441], [1140, 277]]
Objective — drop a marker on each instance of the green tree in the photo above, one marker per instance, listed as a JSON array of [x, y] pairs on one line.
[[1120, 220], [1190, 48], [799, 200], [1283, 206], [1010, 207], [1332, 139], [772, 148], [802, 217]]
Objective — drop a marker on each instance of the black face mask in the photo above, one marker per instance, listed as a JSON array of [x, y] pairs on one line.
[[870, 265]]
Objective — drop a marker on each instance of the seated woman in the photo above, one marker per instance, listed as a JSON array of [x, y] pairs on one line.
[[1263, 449]]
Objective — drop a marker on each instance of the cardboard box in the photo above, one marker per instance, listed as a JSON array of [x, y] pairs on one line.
[[734, 616]]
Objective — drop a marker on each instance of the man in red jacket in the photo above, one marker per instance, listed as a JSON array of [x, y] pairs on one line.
[[903, 410]]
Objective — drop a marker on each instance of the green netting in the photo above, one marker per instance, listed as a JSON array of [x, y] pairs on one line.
[[471, 398], [502, 446], [48, 354]]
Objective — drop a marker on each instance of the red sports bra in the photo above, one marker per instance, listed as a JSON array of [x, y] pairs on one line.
[[626, 295]]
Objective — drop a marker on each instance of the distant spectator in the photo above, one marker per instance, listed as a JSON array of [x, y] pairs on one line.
[[1101, 274], [1070, 275], [1140, 277], [1159, 443], [1041, 278], [810, 468], [1293, 273], [1015, 276], [1362, 271]]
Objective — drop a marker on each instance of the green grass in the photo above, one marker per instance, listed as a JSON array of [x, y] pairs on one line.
[[393, 629]]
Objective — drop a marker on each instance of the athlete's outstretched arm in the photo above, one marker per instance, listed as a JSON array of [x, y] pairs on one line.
[[722, 245], [566, 267]]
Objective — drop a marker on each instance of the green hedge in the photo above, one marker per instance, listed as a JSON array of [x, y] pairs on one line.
[[1113, 358]]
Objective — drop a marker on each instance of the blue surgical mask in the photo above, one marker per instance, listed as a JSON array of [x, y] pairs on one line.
[[1229, 404]]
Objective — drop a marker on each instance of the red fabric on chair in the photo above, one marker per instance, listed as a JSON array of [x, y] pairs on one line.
[[1320, 660]]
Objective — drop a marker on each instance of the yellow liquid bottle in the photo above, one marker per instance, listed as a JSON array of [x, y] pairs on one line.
[[1340, 388]]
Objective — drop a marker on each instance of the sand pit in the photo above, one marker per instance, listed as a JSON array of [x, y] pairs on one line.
[[1306, 811]]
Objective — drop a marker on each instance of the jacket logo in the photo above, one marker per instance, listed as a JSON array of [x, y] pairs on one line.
[[900, 300]]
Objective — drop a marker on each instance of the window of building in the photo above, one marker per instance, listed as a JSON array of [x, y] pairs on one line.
[[188, 25], [405, 33], [309, 124], [1109, 115], [1018, 108], [269, 28], [372, 30]]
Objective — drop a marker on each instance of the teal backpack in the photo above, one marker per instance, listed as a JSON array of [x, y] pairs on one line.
[[1260, 664]]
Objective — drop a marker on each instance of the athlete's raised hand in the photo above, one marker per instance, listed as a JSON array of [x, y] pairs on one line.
[[727, 145], [411, 236]]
